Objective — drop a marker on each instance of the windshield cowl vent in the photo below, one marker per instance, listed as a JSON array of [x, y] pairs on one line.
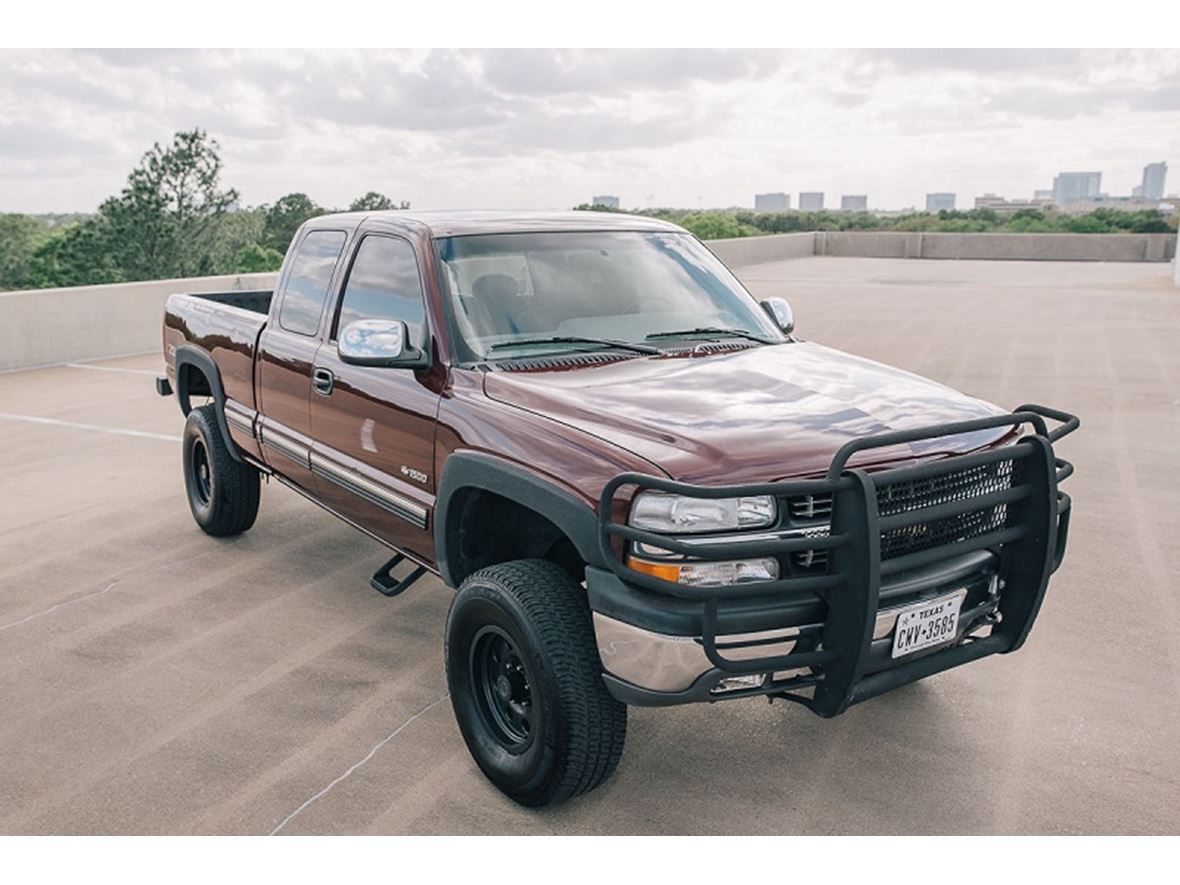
[[707, 348], [564, 361]]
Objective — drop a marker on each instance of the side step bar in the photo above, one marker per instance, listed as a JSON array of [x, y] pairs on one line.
[[387, 585]]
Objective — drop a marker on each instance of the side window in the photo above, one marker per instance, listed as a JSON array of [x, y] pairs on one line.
[[384, 284], [307, 284]]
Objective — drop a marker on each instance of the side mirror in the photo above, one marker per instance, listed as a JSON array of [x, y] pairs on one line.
[[780, 311], [379, 343]]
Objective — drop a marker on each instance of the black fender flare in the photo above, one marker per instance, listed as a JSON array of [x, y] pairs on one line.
[[478, 470], [189, 355]]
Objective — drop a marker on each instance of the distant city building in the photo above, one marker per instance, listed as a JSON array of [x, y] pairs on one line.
[[611, 202], [1153, 181], [776, 202], [938, 202], [854, 203], [811, 201], [1046, 194], [1069, 187], [999, 204]]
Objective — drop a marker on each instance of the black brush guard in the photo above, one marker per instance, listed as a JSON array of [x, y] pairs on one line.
[[1030, 546]]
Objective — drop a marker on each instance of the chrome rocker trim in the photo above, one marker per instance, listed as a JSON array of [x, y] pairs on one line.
[[284, 446], [373, 492]]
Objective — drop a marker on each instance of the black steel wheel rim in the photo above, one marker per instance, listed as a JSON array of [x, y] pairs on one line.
[[502, 688], [202, 473]]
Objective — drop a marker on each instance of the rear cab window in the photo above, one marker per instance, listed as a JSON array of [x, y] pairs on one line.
[[307, 285]]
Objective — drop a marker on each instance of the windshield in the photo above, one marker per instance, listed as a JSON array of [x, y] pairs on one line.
[[511, 292]]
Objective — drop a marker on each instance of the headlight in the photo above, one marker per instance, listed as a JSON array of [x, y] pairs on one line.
[[660, 512], [709, 574]]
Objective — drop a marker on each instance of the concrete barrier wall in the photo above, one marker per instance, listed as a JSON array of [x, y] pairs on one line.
[[999, 246], [46, 326], [867, 244], [756, 250]]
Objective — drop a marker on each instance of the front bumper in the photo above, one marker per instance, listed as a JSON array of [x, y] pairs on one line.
[[825, 640]]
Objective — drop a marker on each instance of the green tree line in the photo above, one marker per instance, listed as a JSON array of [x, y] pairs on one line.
[[721, 224], [172, 219]]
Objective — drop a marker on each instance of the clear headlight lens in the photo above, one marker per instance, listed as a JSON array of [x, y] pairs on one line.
[[709, 574], [661, 512], [721, 574]]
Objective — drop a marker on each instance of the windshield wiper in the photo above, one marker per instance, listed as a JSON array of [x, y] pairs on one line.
[[576, 339], [710, 330]]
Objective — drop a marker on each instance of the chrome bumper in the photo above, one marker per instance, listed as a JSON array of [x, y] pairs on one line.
[[659, 662]]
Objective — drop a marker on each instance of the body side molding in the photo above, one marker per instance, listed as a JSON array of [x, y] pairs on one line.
[[370, 490]]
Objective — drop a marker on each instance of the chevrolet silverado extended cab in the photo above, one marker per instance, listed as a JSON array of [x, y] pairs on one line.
[[645, 488]]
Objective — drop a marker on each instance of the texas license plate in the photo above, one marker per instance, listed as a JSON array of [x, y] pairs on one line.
[[931, 623]]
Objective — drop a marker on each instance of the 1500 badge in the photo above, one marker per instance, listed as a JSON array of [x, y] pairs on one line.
[[411, 473]]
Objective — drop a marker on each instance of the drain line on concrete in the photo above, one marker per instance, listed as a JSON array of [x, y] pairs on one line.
[[373, 752], [108, 588]]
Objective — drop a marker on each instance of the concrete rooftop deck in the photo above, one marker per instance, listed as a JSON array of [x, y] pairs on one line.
[[154, 680]]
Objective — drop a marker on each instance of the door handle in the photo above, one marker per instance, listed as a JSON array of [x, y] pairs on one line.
[[322, 380]]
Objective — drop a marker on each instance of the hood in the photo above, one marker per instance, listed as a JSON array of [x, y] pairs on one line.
[[752, 415]]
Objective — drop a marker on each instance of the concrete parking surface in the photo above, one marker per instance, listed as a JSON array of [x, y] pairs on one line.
[[155, 680]]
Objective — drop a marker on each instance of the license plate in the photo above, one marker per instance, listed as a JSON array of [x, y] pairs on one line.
[[930, 623]]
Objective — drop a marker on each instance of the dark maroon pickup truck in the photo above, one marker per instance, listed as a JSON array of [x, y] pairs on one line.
[[646, 489]]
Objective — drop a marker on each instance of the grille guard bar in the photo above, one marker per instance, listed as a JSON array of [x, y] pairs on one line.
[[1030, 548]]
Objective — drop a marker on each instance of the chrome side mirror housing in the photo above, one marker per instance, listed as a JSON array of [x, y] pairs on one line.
[[379, 343], [780, 311]]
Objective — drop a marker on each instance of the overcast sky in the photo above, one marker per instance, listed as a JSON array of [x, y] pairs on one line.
[[549, 129]]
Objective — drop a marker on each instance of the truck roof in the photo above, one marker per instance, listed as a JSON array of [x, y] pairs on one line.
[[465, 222]]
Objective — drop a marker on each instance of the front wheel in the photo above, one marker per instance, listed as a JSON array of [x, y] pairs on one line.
[[526, 683]]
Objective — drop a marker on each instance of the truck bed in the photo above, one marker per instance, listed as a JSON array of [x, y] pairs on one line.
[[223, 327], [253, 300]]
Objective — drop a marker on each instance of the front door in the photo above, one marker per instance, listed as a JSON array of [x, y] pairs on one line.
[[374, 427]]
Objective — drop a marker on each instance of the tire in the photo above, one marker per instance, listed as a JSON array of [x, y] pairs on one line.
[[223, 494], [537, 718]]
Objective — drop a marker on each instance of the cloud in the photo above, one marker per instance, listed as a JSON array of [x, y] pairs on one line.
[[1057, 103], [1163, 98], [993, 62], [611, 72], [551, 127]]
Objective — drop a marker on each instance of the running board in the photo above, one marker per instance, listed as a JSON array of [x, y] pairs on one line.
[[387, 585]]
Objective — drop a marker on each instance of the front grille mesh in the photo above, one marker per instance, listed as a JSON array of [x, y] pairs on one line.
[[961, 485], [902, 497]]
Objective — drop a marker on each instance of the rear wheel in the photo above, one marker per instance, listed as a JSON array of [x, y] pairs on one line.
[[223, 493], [526, 683]]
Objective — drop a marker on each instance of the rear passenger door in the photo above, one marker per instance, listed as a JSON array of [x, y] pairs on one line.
[[287, 350], [374, 427]]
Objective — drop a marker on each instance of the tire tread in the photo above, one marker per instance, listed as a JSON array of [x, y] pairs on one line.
[[238, 484], [592, 723]]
